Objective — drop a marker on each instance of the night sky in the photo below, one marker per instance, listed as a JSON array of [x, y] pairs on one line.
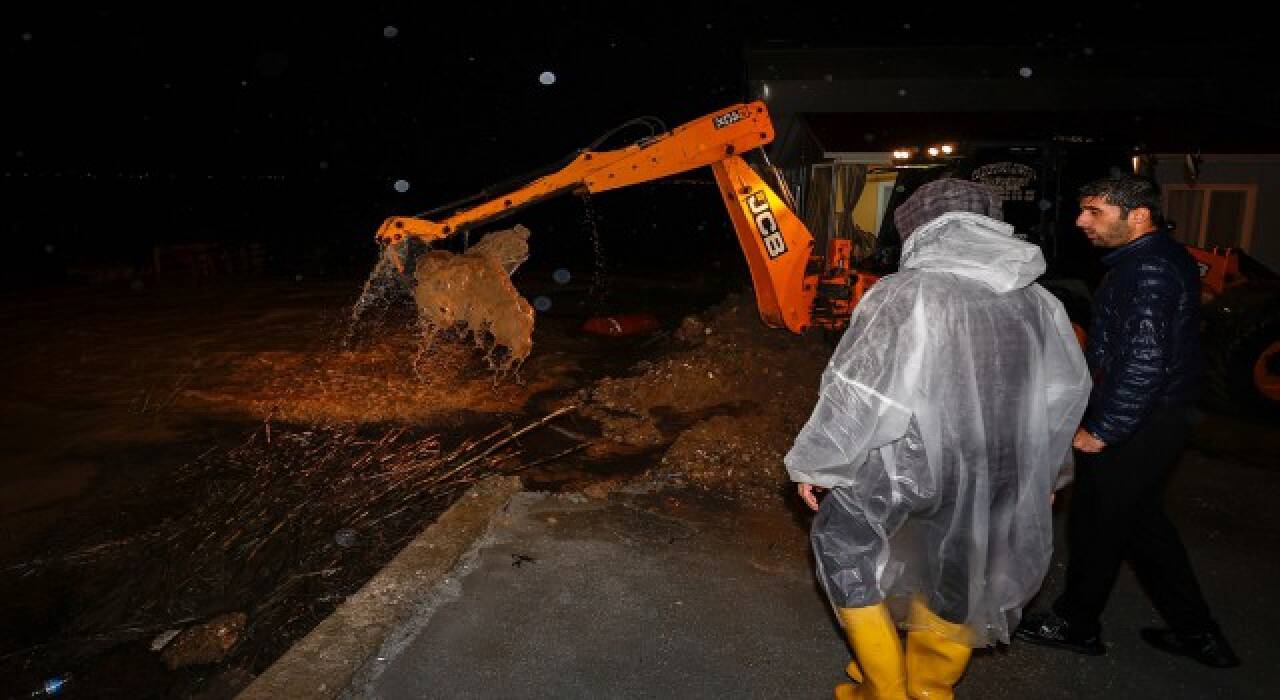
[[132, 128]]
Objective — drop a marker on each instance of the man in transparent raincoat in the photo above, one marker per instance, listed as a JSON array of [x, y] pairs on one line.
[[943, 426]]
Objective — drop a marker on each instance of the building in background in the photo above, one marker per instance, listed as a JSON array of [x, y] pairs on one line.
[[1033, 122]]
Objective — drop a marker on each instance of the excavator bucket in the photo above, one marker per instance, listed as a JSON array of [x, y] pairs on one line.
[[471, 294]]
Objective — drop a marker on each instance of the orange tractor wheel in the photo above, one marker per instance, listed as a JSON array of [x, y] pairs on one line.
[[1266, 372]]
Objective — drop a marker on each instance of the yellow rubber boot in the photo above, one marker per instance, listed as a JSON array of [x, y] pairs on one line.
[[936, 659], [878, 668]]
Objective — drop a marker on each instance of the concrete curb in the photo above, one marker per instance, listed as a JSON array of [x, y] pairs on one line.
[[325, 662]]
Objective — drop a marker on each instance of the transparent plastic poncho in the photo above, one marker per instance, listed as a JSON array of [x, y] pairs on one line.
[[944, 422]]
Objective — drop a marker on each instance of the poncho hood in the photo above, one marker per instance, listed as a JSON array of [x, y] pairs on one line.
[[974, 246]]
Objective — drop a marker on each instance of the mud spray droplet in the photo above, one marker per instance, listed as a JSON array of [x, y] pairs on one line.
[[561, 276], [596, 291], [382, 291], [542, 303]]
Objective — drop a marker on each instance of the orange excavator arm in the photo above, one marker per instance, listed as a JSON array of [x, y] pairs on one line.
[[777, 245]]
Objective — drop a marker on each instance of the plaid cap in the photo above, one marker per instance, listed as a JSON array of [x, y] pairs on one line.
[[936, 198]]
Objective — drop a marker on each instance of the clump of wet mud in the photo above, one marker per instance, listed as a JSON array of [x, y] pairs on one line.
[[726, 401], [471, 294], [740, 456]]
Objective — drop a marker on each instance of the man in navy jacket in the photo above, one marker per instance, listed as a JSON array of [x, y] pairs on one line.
[[1144, 353]]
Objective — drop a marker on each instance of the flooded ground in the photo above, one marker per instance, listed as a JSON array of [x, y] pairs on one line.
[[176, 454]]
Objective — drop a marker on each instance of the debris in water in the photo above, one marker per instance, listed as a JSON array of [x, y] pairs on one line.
[[258, 534], [51, 687], [345, 538], [205, 644], [621, 324], [162, 640]]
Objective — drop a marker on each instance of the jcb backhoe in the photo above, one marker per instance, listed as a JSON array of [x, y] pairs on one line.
[[796, 287]]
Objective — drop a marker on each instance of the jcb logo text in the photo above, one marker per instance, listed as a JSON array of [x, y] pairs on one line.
[[727, 118], [766, 224]]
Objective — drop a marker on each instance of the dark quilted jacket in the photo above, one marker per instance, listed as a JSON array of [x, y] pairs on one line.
[[1144, 343]]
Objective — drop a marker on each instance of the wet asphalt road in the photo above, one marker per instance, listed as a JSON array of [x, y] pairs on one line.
[[640, 597]]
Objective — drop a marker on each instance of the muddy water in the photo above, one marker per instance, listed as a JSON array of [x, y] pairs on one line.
[[380, 292], [472, 294]]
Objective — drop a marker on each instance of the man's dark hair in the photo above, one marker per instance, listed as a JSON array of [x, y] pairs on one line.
[[1128, 192]]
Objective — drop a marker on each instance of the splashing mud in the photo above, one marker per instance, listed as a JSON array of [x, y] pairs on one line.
[[471, 294], [380, 292]]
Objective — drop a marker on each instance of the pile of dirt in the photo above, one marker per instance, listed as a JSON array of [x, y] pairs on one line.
[[726, 403]]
